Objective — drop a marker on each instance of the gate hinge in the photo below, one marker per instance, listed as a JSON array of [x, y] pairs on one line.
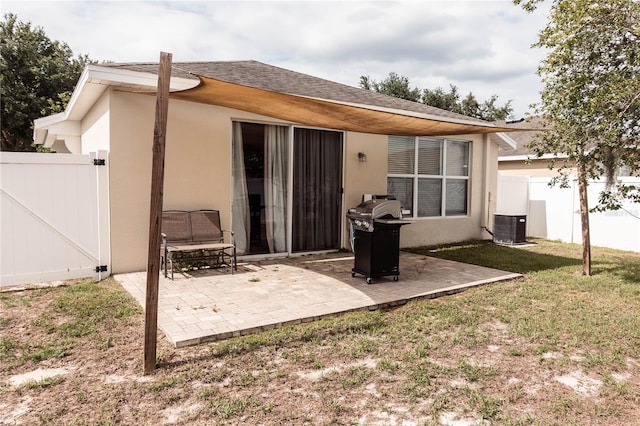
[[99, 162], [101, 268]]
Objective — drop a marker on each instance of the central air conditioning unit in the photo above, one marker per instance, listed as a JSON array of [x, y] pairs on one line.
[[509, 229]]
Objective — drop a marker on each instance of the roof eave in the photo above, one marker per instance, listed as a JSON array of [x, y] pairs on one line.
[[503, 140], [93, 82]]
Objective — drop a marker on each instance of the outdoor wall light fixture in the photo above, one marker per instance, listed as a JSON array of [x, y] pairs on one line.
[[362, 157]]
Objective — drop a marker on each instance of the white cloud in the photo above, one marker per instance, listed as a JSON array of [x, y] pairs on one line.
[[480, 46]]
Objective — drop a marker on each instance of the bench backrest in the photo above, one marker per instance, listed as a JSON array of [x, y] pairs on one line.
[[191, 226]]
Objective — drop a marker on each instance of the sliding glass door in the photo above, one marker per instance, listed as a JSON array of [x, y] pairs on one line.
[[317, 190], [260, 186], [266, 217]]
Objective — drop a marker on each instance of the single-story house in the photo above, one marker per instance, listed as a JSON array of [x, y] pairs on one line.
[[282, 155]]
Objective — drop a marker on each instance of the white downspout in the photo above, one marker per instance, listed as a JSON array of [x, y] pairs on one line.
[[485, 220]]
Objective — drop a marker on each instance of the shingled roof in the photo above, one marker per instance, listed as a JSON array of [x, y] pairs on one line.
[[268, 77], [522, 138]]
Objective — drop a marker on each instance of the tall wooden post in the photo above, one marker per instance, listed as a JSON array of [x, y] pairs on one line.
[[155, 216]]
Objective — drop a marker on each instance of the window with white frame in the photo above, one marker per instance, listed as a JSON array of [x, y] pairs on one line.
[[429, 176]]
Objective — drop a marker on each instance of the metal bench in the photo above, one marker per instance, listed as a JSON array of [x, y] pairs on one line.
[[198, 236]]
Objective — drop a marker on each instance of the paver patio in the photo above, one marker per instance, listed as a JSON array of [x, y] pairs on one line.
[[212, 304]]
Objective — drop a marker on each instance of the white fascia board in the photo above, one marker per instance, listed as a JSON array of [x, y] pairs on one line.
[[47, 129], [529, 157], [77, 91], [136, 78], [504, 140], [41, 125], [93, 82], [50, 119]]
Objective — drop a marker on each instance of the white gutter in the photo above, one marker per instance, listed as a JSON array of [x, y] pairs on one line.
[[529, 157]]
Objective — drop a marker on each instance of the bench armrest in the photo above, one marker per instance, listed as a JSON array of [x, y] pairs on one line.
[[164, 243], [233, 235]]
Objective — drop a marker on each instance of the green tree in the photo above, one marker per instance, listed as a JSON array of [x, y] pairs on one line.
[[438, 98], [399, 87], [469, 106], [591, 96], [394, 85], [37, 76]]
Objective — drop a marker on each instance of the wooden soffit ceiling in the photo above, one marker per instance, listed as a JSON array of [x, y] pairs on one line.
[[329, 114]]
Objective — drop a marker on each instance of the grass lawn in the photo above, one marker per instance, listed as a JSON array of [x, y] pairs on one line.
[[551, 348]]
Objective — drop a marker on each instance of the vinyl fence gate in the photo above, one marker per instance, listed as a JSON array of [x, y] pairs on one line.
[[54, 217]]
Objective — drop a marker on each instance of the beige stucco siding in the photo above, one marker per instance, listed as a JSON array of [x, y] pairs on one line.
[[95, 126], [534, 168], [131, 128], [198, 164], [197, 167], [368, 177]]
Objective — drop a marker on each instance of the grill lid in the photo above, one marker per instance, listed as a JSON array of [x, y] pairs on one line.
[[377, 208]]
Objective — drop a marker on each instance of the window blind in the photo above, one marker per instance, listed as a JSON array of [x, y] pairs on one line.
[[429, 197], [457, 158], [402, 189], [429, 156], [401, 155]]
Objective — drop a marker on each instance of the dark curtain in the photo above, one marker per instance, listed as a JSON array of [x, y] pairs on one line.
[[317, 190]]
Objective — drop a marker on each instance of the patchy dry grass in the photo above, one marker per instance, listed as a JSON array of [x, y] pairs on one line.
[[552, 348]]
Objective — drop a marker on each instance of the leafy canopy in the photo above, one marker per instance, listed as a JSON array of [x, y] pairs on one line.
[[591, 94], [398, 86], [37, 76], [591, 97]]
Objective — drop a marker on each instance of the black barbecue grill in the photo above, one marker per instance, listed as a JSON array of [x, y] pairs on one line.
[[375, 225]]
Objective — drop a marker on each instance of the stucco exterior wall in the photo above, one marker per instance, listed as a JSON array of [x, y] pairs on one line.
[[131, 129], [198, 165], [368, 177], [95, 126]]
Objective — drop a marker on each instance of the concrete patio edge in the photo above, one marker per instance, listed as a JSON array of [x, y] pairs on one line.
[[213, 305]]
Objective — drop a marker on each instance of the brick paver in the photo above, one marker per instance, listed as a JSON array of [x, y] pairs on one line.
[[209, 305]]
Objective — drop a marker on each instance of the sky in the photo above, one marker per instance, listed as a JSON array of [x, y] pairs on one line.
[[479, 46]]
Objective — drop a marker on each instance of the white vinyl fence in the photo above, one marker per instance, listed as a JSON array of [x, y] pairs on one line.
[[54, 217], [554, 213]]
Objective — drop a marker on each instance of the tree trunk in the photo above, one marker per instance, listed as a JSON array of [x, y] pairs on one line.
[[584, 219]]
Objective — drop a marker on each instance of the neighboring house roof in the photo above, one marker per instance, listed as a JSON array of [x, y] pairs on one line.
[[249, 74], [522, 139]]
